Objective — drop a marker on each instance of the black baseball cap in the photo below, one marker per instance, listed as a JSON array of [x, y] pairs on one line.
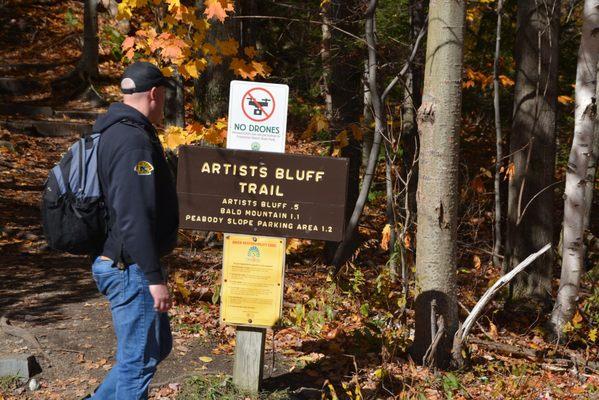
[[142, 76]]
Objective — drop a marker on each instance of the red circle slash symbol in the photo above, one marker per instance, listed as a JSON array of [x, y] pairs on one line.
[[255, 104]]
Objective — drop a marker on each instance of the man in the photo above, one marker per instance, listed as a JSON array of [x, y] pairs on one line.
[[141, 199]]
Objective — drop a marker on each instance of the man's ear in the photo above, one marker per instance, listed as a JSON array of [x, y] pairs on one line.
[[153, 93]]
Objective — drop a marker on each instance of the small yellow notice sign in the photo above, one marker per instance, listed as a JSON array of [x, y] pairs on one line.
[[252, 285]]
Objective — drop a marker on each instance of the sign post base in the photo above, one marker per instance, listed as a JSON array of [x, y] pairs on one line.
[[249, 358]]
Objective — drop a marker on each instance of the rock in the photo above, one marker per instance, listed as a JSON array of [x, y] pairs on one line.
[[24, 366], [33, 385], [8, 145]]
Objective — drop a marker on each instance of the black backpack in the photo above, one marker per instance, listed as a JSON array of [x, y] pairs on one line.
[[74, 216]]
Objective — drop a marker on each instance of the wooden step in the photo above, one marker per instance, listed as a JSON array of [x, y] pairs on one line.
[[18, 86], [27, 110], [48, 128], [32, 110], [78, 114]]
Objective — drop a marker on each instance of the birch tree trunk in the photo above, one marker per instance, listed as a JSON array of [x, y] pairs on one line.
[[325, 56], [532, 148], [576, 173], [439, 119]]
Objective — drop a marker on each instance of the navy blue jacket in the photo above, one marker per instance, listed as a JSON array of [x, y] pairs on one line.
[[138, 189]]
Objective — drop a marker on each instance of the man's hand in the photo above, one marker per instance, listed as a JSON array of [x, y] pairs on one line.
[[162, 300]]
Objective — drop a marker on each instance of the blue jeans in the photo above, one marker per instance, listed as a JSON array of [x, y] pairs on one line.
[[143, 334]]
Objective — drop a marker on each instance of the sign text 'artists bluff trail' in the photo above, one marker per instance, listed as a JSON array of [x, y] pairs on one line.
[[283, 195]]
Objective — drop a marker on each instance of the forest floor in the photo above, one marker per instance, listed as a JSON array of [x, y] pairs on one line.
[[347, 336]]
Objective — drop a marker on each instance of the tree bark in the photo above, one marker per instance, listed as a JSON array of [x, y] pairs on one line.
[[412, 100], [211, 89], [391, 220], [368, 132], [585, 120], [90, 56], [325, 56], [439, 119], [174, 104], [590, 181], [247, 27], [532, 147]]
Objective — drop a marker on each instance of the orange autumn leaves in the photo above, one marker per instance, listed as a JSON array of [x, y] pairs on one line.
[[178, 41], [218, 9], [175, 136]]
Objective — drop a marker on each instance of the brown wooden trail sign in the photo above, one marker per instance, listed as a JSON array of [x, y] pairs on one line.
[[259, 193]]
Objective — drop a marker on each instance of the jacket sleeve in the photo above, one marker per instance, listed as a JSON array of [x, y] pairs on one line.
[[133, 193]]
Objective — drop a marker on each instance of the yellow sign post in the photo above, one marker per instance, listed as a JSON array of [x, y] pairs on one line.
[[252, 280]]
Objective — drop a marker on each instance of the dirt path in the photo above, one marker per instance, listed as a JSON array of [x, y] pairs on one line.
[[55, 299]]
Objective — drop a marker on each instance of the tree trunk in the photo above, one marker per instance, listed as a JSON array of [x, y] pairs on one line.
[[590, 180], [412, 100], [576, 174], [532, 148], [389, 162], [498, 142], [367, 131], [211, 89], [90, 56], [413, 84], [439, 119], [247, 27], [325, 56], [174, 104]]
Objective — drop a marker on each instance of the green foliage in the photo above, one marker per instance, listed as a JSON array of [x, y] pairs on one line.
[[451, 384], [220, 387], [112, 39], [375, 195], [191, 328], [365, 309], [71, 20], [317, 311], [10, 382], [357, 281], [591, 307]]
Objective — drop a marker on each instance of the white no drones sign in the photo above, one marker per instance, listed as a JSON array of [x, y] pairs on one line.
[[257, 116]]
